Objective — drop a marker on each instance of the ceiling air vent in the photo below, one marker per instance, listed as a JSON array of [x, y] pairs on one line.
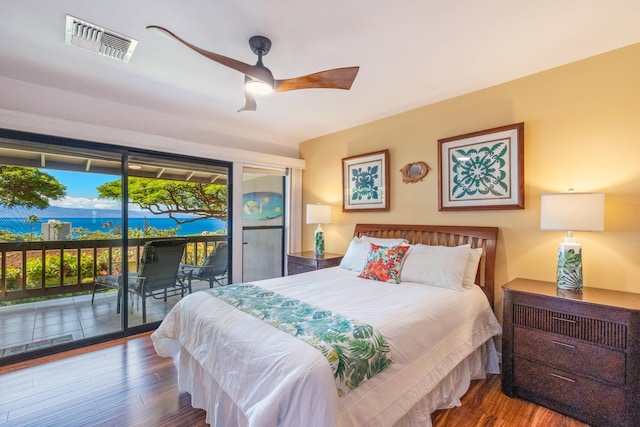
[[98, 40]]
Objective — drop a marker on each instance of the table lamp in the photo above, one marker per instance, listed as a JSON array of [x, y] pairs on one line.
[[571, 212], [318, 214]]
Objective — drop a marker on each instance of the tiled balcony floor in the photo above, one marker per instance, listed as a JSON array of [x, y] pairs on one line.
[[26, 326]]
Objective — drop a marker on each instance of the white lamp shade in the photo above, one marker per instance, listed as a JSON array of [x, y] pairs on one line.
[[258, 87], [318, 214], [572, 212]]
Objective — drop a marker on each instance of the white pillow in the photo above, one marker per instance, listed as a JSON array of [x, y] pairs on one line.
[[385, 242], [472, 267], [442, 266], [356, 255]]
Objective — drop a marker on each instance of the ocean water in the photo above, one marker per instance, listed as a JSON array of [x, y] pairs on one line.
[[18, 226]]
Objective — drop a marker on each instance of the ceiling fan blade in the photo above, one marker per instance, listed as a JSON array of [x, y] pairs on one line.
[[260, 73], [249, 100], [337, 78], [249, 104]]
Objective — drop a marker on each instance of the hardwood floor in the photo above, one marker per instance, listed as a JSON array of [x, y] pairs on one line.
[[485, 405], [124, 383]]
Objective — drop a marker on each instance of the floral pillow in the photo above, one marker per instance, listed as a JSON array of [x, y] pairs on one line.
[[356, 255], [384, 263]]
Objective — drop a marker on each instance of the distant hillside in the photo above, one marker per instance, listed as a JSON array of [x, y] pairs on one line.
[[59, 212]]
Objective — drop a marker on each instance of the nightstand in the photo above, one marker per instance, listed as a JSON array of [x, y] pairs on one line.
[[301, 262], [575, 353]]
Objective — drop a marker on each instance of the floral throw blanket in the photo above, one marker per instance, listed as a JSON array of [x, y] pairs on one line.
[[355, 351]]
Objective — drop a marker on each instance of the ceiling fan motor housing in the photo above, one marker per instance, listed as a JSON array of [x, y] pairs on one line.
[[260, 45]]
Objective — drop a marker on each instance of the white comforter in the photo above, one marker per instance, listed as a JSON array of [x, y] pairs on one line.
[[276, 379]]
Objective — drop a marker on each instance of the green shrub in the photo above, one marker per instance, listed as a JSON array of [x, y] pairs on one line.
[[102, 263], [69, 268], [13, 278], [34, 272]]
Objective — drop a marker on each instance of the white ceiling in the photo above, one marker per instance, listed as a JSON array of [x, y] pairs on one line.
[[411, 53]]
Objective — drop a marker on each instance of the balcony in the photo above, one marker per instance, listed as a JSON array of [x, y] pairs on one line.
[[56, 311]]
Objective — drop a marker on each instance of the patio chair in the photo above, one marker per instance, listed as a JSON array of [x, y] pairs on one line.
[[157, 275], [213, 269]]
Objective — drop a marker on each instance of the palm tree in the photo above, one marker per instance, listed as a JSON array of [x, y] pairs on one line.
[[32, 219]]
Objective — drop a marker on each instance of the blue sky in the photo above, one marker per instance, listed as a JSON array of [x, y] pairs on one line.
[[81, 190]]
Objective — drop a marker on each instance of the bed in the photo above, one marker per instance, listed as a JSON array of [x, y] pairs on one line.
[[245, 372]]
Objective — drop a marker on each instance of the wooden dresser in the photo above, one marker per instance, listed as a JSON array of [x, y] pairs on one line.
[[301, 262], [575, 353]]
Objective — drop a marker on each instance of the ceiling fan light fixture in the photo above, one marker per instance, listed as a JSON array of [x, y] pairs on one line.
[[258, 87], [258, 79]]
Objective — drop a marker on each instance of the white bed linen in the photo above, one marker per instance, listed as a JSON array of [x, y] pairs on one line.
[[273, 378], [222, 411]]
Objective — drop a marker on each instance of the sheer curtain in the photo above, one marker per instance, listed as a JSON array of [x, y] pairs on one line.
[[294, 226]]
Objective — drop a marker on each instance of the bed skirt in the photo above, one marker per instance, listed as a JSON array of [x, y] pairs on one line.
[[221, 411]]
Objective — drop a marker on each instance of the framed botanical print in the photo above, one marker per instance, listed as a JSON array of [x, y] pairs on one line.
[[482, 170], [365, 181]]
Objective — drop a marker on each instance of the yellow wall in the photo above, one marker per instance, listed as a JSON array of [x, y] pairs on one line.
[[582, 131]]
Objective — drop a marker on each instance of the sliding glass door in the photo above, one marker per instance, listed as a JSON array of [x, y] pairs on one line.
[[93, 239], [174, 206], [55, 238], [263, 219]]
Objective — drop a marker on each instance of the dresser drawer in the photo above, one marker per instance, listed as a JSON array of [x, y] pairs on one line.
[[600, 331], [296, 268], [569, 354], [594, 398]]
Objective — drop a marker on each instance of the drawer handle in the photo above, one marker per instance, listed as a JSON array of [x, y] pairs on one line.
[[563, 344], [564, 320], [563, 378]]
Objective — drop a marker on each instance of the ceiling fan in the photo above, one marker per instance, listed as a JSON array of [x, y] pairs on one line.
[[259, 79]]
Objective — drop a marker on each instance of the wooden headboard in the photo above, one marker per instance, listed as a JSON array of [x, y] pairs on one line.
[[447, 235]]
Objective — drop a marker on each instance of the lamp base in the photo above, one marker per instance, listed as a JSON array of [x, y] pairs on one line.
[[318, 246], [569, 273]]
